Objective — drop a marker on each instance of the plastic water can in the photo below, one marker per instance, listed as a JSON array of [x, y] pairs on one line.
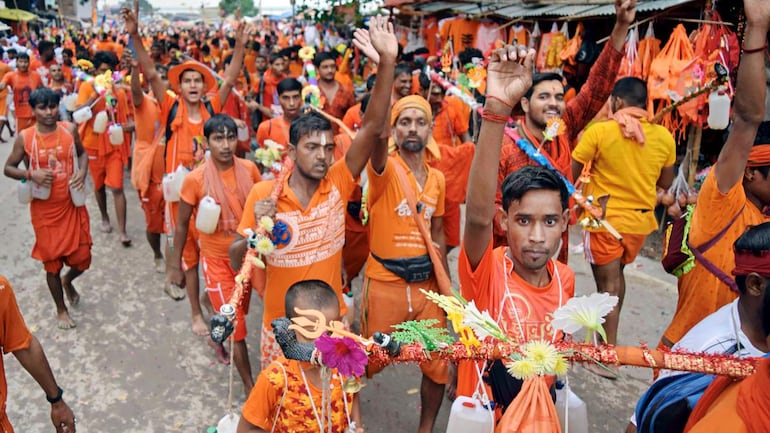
[[78, 196], [228, 423], [40, 192], [208, 215], [172, 184], [719, 109], [567, 402], [82, 115], [469, 415], [71, 102], [25, 192], [116, 134], [100, 122], [243, 133]]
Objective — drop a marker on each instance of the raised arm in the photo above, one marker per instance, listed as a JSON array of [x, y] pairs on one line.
[[242, 34], [509, 75], [380, 45], [148, 67], [749, 103], [137, 95]]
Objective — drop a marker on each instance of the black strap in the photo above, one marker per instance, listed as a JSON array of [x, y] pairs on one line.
[[172, 115]]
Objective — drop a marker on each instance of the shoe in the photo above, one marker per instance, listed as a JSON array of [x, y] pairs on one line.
[[175, 292], [160, 265]]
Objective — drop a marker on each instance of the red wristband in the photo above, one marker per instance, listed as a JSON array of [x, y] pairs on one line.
[[755, 50], [500, 100], [493, 117]]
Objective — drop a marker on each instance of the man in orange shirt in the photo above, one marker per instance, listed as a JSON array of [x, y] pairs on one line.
[[107, 161], [147, 164], [352, 117], [22, 81], [314, 196], [266, 87], [393, 287], [50, 150], [735, 192], [335, 98], [227, 180], [4, 69], [15, 338], [277, 128], [519, 284], [402, 82], [182, 137]]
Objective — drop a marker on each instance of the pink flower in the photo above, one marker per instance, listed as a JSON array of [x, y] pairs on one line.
[[343, 353]]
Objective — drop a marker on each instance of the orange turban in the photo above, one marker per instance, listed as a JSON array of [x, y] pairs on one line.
[[411, 101], [759, 156]]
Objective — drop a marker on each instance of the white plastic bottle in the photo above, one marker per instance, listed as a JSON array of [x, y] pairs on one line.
[[719, 109], [100, 122], [116, 134], [469, 415], [208, 215], [571, 407], [71, 102], [25, 191], [83, 114], [78, 196]]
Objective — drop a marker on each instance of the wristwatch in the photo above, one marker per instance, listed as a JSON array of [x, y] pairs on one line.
[[56, 399]]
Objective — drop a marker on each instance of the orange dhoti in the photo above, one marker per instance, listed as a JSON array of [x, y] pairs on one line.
[[220, 285], [62, 234], [153, 206], [191, 251], [106, 169]]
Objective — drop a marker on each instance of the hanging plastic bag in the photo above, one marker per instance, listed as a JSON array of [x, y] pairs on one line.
[[630, 56], [532, 411]]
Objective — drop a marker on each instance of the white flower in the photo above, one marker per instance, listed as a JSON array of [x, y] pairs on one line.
[[584, 312], [482, 323], [266, 223]]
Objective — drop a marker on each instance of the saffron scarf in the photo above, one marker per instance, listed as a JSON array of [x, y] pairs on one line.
[[630, 124], [231, 201]]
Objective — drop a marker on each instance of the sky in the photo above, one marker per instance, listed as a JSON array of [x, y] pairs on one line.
[[271, 5]]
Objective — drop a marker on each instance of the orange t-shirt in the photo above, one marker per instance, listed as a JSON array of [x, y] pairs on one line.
[[700, 292], [22, 84], [448, 125], [518, 306], [145, 172], [455, 163], [394, 233], [317, 236], [250, 62], [352, 118], [214, 245], [90, 139], [186, 146], [14, 334], [281, 398], [343, 100], [276, 129]]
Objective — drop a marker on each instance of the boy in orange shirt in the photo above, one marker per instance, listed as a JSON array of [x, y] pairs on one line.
[[106, 161], [520, 285], [314, 197], [277, 128], [279, 401], [335, 98], [23, 82], [228, 180]]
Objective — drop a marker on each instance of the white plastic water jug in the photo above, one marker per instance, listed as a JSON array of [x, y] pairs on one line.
[[116, 134], [208, 215], [172, 184], [569, 404], [100, 122], [71, 102], [719, 109], [228, 423], [40, 192], [25, 191], [78, 196], [243, 133], [83, 114], [469, 415]]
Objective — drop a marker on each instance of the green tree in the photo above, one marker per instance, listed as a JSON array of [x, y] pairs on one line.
[[247, 7], [144, 6]]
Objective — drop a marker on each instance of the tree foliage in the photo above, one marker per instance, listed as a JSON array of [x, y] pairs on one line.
[[247, 7]]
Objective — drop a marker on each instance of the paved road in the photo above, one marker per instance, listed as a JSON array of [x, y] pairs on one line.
[[132, 364]]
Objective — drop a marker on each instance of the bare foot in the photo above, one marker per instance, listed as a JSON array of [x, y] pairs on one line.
[[72, 295], [64, 321], [199, 326], [222, 355], [175, 292], [125, 240], [160, 265], [105, 227]]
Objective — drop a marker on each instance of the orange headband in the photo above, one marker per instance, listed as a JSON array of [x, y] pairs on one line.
[[759, 156]]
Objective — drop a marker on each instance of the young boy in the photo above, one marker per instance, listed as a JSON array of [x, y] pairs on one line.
[[227, 180], [287, 396]]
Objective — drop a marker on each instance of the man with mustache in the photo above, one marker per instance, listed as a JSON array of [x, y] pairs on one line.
[[544, 101]]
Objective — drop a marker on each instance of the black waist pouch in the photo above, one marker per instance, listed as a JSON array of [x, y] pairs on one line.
[[412, 270]]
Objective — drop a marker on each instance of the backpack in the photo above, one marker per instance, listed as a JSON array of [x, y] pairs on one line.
[[667, 405], [679, 255]]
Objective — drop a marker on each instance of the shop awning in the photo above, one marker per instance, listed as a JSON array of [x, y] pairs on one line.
[[16, 15], [580, 10], [460, 7]]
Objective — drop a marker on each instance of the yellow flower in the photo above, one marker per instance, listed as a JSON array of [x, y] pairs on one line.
[[265, 246], [522, 369], [306, 53], [543, 354], [449, 304], [274, 152], [266, 223], [562, 366]]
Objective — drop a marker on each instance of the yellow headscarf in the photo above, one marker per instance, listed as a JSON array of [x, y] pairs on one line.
[[419, 103]]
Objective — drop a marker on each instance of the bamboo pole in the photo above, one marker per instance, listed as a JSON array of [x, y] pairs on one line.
[[693, 146]]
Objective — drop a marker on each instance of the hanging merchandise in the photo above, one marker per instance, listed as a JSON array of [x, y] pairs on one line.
[[648, 49], [568, 55], [665, 71], [631, 55], [551, 45], [519, 35]]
